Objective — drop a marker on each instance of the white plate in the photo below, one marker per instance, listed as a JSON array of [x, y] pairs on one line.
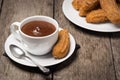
[[46, 60], [73, 16]]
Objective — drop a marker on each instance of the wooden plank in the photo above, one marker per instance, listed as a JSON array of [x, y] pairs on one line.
[[115, 42], [2, 77], [17, 10], [0, 3], [93, 61]]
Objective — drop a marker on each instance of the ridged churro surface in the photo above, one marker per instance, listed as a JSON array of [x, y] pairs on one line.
[[96, 16], [112, 10], [61, 48]]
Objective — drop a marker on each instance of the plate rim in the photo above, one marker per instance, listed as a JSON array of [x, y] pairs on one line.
[[88, 28]]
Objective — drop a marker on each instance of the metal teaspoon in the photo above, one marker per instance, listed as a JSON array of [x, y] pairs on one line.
[[19, 53]]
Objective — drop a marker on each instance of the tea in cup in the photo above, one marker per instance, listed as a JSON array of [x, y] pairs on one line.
[[37, 34]]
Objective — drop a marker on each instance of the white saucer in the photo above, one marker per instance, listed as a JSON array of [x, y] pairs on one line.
[[46, 60]]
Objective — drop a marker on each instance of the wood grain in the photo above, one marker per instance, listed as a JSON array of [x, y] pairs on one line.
[[0, 4], [93, 61], [115, 42], [17, 10]]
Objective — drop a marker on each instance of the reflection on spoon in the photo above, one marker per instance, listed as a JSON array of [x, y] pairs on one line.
[[19, 53]]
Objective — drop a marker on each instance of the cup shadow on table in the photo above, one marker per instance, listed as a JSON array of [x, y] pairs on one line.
[[53, 68]]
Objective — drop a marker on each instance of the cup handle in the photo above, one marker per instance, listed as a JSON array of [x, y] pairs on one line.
[[14, 30]]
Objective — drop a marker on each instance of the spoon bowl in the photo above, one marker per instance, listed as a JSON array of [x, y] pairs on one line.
[[16, 51]]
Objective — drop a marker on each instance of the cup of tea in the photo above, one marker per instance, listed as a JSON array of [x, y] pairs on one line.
[[37, 34]]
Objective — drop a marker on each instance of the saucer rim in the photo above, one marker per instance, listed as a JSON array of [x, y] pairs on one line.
[[25, 62]]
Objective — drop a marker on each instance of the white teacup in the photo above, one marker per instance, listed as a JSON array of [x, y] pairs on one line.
[[35, 45]]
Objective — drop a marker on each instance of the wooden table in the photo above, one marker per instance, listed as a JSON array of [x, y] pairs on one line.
[[97, 59]]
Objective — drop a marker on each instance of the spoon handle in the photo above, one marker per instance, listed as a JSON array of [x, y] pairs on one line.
[[42, 68]]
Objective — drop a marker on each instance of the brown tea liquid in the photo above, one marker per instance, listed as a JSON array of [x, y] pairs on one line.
[[38, 28]]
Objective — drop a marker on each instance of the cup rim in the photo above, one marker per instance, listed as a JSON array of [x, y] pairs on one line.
[[47, 17]]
